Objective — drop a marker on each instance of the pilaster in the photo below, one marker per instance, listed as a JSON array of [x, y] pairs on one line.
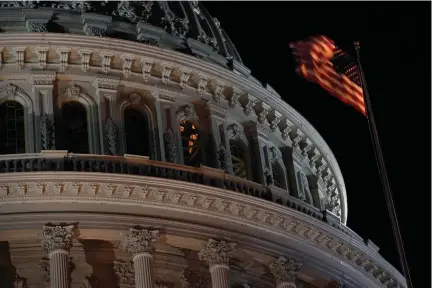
[[260, 152], [43, 93], [108, 112], [164, 100], [218, 139]]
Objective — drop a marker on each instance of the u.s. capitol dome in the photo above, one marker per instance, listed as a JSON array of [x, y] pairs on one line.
[[138, 151]]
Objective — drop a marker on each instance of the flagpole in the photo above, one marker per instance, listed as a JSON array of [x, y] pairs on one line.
[[383, 174]]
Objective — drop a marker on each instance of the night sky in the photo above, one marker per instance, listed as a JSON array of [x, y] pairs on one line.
[[396, 49]]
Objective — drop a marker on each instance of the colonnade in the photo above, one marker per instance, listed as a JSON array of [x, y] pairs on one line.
[[57, 240]]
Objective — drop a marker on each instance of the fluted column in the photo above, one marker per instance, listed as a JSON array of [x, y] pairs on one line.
[[217, 255], [139, 242], [285, 272], [57, 241]]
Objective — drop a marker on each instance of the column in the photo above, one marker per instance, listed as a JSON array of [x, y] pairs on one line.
[[285, 272], [108, 112], [57, 241], [217, 254], [43, 85], [167, 130], [217, 137], [139, 242], [259, 140]]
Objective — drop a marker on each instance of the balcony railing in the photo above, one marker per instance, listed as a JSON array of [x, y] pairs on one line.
[[142, 166]]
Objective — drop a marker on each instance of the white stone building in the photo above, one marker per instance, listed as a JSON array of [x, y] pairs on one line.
[[138, 151]]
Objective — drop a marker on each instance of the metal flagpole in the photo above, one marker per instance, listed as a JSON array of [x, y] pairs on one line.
[[383, 174]]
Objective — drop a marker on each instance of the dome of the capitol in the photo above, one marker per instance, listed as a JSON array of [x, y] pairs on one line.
[[137, 150]]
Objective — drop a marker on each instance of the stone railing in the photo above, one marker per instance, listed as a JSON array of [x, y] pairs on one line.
[[54, 160], [117, 62]]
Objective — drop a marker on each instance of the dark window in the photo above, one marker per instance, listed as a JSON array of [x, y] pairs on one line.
[[239, 159], [12, 128], [136, 132], [190, 141], [75, 128]]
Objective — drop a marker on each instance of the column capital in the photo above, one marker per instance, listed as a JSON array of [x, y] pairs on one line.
[[285, 270], [217, 252], [140, 240], [57, 237]]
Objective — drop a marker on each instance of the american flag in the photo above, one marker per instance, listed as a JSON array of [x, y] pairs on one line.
[[320, 61]]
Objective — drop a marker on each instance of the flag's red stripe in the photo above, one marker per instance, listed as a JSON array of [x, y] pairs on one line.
[[314, 57]]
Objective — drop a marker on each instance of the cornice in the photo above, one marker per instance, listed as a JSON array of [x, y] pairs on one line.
[[179, 199], [178, 60]]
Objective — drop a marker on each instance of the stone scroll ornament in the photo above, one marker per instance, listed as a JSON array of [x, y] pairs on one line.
[[170, 140], [111, 135], [223, 158], [46, 126]]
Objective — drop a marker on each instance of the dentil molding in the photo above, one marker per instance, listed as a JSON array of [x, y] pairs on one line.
[[205, 77], [40, 187]]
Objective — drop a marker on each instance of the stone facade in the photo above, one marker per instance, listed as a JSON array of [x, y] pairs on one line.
[[133, 165]]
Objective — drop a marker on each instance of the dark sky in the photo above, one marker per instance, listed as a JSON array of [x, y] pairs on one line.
[[396, 49]]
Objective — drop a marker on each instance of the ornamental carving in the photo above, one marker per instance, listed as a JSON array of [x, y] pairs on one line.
[[38, 27], [223, 159], [46, 126], [124, 272], [73, 91], [125, 10], [8, 90], [190, 279], [217, 252], [134, 98], [95, 31], [111, 135], [149, 41], [268, 176], [185, 111], [211, 41], [140, 240], [186, 198], [57, 237], [45, 269], [170, 140], [175, 25], [285, 270]]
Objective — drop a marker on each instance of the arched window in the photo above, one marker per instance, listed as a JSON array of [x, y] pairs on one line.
[[239, 158], [278, 175], [190, 141], [75, 127], [12, 131], [136, 132]]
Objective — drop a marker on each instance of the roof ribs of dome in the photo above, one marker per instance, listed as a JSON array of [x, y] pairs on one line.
[[182, 26]]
